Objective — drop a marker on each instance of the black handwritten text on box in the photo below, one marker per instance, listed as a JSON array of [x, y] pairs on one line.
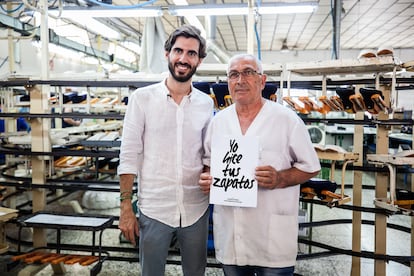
[[231, 173]]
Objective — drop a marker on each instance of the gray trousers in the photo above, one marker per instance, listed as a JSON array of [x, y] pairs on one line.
[[155, 240]]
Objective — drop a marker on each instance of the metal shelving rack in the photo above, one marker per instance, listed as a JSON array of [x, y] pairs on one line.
[[318, 69], [350, 69], [40, 151]]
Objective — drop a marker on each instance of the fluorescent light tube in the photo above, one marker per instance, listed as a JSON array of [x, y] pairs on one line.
[[291, 8], [72, 12], [241, 9], [197, 10], [97, 27]]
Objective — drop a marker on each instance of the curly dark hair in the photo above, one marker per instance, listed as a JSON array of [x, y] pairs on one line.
[[187, 31]]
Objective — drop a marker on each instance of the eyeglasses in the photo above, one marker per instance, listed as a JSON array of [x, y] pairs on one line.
[[249, 73]]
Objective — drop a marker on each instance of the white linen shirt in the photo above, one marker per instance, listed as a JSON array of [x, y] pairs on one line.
[[266, 235], [162, 145]]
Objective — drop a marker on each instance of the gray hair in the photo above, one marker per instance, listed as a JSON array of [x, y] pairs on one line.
[[246, 56]]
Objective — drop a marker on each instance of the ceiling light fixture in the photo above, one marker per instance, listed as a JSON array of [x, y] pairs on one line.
[[285, 48], [192, 19], [77, 12], [97, 27], [242, 9]]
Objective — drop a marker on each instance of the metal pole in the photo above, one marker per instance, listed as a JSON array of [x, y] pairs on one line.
[[250, 28], [337, 10]]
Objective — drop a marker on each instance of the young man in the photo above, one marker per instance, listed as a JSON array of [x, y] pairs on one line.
[[261, 240], [162, 139]]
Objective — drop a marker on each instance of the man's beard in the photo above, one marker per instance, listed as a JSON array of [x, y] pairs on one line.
[[183, 78]]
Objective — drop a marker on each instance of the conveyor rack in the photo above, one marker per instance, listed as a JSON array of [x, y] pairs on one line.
[[58, 222], [98, 143]]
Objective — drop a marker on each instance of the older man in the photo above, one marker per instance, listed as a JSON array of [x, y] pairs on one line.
[[261, 240]]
